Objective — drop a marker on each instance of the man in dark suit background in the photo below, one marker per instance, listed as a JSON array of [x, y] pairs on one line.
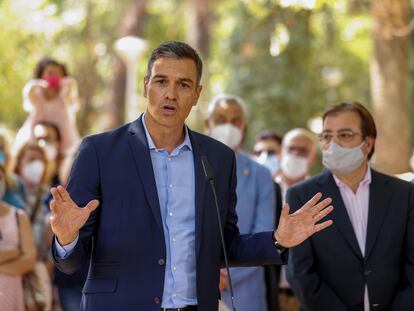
[[154, 242], [365, 261]]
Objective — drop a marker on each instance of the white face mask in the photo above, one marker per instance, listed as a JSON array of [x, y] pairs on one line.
[[342, 160], [270, 161], [228, 134], [2, 188], [294, 167], [33, 171]]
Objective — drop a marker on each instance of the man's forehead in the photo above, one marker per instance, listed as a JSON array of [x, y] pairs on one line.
[[342, 121], [229, 108], [179, 68], [299, 140]]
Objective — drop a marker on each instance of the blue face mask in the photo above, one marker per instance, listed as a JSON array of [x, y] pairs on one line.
[[271, 162]]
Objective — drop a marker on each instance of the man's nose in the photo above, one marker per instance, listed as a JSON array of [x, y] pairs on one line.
[[171, 92]]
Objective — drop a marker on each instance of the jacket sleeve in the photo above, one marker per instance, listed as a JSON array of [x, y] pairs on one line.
[[264, 217], [247, 249], [302, 272], [404, 298], [83, 187], [265, 214]]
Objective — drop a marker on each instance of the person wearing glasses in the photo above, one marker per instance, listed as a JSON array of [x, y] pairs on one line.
[[365, 261], [154, 243], [266, 150]]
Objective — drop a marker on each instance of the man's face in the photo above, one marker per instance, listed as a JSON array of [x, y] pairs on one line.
[[299, 145], [269, 146], [226, 112], [171, 91], [344, 129]]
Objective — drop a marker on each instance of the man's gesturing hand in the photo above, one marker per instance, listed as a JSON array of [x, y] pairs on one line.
[[67, 218], [295, 228]]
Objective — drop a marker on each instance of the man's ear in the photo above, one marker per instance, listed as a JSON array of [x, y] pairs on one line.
[[198, 92], [146, 80], [369, 144]]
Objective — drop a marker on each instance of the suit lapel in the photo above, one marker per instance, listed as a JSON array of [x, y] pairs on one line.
[[139, 147], [379, 199], [339, 214], [200, 188]]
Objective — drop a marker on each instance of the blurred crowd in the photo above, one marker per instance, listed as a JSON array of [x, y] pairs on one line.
[[36, 159], [40, 157]]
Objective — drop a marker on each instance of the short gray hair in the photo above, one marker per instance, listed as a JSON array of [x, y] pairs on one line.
[[229, 98], [302, 132]]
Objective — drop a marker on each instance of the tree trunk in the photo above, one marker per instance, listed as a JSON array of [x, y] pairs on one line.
[[199, 28], [389, 85], [131, 25], [87, 74]]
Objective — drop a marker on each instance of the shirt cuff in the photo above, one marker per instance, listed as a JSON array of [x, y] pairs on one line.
[[64, 251]]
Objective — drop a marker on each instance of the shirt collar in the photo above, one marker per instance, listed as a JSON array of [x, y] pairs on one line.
[[365, 181], [185, 144]]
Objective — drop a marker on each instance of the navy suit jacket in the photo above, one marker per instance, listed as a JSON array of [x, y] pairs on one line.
[[124, 238], [328, 271]]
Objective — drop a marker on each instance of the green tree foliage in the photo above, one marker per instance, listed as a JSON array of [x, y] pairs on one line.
[[287, 61]]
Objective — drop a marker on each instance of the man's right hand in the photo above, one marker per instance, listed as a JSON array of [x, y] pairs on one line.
[[67, 218]]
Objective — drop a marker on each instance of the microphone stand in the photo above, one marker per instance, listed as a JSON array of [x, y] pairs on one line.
[[210, 178]]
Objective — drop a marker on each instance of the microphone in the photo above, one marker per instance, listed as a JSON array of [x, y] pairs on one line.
[[208, 172]]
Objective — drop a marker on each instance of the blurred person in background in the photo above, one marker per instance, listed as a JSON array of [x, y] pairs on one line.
[[365, 261], [227, 122], [52, 97], [31, 166], [48, 136], [17, 251], [297, 157], [15, 194], [266, 150], [298, 154]]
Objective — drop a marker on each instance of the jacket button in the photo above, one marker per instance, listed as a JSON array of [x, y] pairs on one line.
[[157, 300], [161, 262]]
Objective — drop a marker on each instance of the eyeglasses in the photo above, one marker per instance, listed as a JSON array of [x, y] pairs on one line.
[[345, 136], [268, 151]]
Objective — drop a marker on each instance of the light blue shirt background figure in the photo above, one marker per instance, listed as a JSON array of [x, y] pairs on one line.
[[256, 212]]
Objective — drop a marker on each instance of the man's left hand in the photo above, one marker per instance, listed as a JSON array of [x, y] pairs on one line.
[[295, 228]]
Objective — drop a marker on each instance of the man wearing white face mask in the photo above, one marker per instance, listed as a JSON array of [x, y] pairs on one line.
[[297, 156], [226, 122], [366, 260]]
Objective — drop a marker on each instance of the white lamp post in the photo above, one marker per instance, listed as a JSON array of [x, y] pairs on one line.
[[130, 49]]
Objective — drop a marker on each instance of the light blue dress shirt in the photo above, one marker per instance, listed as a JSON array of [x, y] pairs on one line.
[[174, 177]]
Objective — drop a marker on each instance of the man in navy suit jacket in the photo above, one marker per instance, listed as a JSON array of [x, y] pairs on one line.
[[365, 261], [154, 242]]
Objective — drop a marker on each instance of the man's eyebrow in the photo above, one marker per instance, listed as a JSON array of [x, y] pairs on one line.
[[158, 76], [184, 79], [340, 130]]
